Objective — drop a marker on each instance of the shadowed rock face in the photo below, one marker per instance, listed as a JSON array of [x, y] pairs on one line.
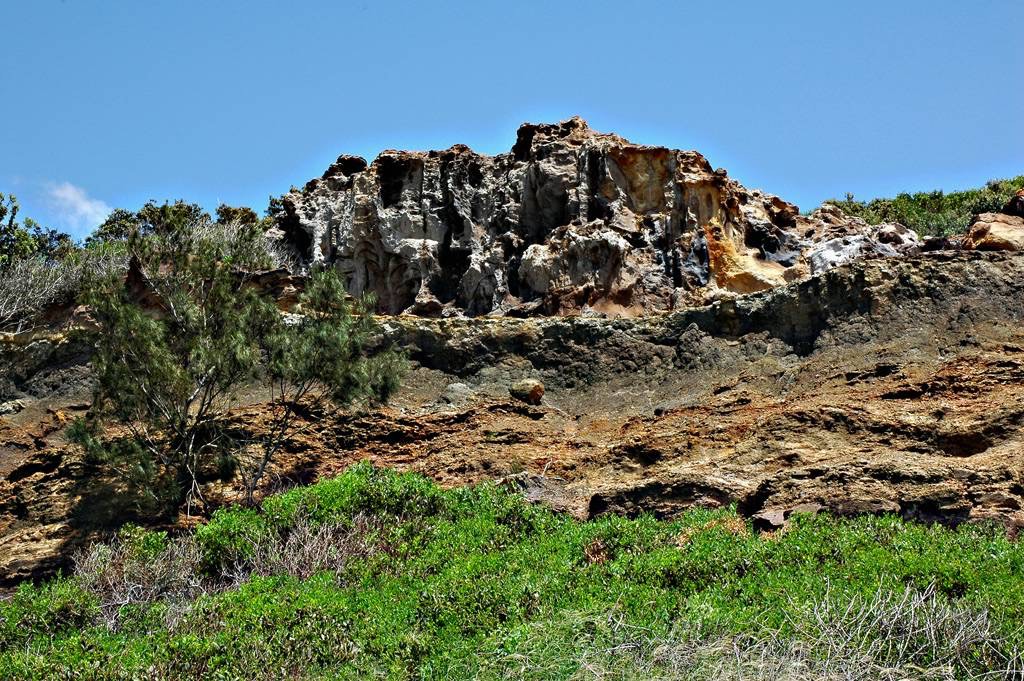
[[569, 218]]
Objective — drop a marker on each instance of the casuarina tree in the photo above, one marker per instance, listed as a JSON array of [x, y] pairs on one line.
[[191, 328]]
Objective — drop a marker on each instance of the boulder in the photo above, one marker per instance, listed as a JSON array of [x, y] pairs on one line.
[[905, 240], [940, 243], [995, 232], [842, 250], [11, 407], [770, 520], [528, 390], [457, 394]]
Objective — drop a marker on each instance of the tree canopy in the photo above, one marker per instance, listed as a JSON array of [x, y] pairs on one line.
[[169, 364], [21, 239]]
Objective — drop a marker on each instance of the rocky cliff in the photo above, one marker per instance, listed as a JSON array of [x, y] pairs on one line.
[[799, 363], [569, 220]]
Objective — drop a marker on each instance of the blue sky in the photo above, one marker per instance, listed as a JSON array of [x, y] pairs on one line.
[[108, 104]]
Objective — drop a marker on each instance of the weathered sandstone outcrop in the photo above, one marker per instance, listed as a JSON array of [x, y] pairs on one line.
[[569, 220], [995, 232], [833, 238]]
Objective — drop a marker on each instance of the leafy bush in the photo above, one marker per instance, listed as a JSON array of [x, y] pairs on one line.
[[153, 218], [937, 213], [56, 608], [362, 490], [382, 575], [231, 537]]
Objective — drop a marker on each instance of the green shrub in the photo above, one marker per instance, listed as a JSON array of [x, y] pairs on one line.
[[56, 608], [937, 213], [142, 544], [231, 536], [363, 489]]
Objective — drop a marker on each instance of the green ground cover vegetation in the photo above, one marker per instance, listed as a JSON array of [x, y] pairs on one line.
[[376, 574]]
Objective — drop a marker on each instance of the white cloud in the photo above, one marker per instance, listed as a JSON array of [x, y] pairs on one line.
[[75, 208]]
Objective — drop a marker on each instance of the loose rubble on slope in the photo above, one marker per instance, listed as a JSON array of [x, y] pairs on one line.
[[608, 328]]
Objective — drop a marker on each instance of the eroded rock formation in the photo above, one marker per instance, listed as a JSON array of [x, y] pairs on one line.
[[995, 232], [569, 220]]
